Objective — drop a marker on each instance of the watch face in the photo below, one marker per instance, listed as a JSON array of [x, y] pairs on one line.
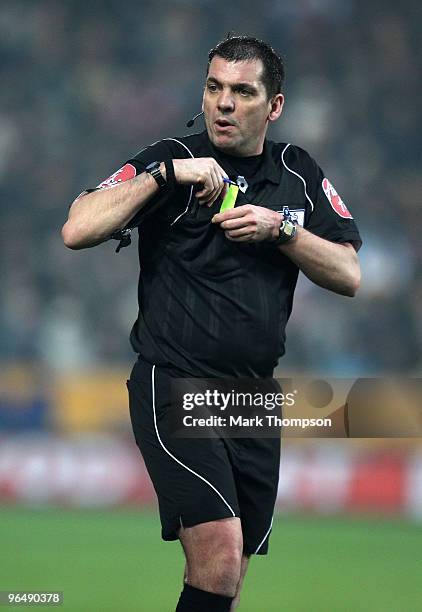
[[286, 232], [288, 228]]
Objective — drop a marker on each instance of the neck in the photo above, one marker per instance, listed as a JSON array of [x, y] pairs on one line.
[[250, 152]]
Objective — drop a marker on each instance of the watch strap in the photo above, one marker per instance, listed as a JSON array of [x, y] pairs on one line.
[[154, 170]]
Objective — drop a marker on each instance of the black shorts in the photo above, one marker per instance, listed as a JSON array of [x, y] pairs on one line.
[[201, 480]]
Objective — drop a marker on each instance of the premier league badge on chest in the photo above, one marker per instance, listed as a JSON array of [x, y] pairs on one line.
[[242, 183]]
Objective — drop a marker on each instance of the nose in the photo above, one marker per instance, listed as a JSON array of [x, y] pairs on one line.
[[225, 101]]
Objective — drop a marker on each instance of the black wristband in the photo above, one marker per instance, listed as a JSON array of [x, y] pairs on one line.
[[170, 176]]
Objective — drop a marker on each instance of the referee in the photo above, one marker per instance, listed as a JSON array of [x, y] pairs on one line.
[[215, 294]]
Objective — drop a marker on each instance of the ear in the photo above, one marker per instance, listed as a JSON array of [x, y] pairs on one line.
[[276, 107], [203, 98]]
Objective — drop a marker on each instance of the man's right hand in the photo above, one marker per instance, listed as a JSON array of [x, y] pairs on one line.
[[204, 172]]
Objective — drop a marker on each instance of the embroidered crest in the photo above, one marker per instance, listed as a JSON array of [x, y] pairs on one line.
[[124, 173], [335, 200]]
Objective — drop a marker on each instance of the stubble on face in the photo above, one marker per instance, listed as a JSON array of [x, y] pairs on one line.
[[236, 106]]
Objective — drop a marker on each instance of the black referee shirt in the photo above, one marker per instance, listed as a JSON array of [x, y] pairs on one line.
[[210, 307]]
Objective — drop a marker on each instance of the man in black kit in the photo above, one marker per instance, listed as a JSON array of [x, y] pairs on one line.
[[215, 293]]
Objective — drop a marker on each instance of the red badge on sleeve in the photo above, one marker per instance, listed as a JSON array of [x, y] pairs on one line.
[[335, 200], [123, 174]]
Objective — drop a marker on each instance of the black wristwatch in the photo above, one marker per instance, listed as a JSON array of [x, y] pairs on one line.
[[286, 232], [154, 170]]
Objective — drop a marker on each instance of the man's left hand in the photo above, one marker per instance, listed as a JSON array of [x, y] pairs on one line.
[[249, 223]]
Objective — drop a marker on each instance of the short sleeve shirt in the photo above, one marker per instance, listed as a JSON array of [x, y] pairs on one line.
[[210, 307]]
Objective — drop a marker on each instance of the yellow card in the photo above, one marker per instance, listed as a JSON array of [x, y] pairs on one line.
[[230, 198]]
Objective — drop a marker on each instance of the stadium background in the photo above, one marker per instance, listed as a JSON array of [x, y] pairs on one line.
[[83, 87]]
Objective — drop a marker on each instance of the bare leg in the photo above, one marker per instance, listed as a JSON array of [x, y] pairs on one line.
[[243, 568], [185, 574], [213, 553]]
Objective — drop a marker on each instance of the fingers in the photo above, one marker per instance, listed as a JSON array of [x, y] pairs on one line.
[[245, 233], [240, 222], [241, 231], [209, 186], [218, 186], [248, 222], [233, 213], [213, 184], [204, 172], [243, 238]]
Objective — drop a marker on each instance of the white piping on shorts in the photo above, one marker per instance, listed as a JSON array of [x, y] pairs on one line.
[[265, 536], [175, 458], [298, 175], [270, 527]]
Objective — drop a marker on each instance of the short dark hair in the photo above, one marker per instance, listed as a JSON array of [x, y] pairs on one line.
[[247, 48]]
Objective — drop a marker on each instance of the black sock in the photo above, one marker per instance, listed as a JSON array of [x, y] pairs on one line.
[[196, 600]]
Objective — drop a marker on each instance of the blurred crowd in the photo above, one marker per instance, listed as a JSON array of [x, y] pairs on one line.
[[85, 85]]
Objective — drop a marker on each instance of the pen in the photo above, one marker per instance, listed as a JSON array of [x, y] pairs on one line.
[[228, 181]]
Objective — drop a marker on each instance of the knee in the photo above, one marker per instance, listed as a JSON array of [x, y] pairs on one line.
[[218, 570], [224, 570], [229, 561], [214, 555]]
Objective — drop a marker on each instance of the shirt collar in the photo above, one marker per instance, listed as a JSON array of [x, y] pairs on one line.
[[268, 171]]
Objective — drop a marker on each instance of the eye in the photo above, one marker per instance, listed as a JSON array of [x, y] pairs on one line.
[[211, 87]]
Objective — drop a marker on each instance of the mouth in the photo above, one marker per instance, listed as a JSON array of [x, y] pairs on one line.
[[223, 124]]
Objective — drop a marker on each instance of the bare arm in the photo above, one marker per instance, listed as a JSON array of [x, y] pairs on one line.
[[94, 216], [328, 264]]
